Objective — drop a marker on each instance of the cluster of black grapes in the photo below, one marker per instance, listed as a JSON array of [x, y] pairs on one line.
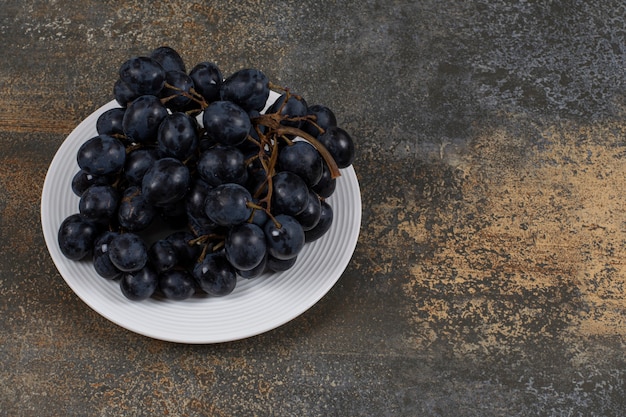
[[238, 192]]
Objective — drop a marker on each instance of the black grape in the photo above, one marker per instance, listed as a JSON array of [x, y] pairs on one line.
[[290, 195], [110, 122], [207, 79], [143, 75], [323, 225], [142, 119], [226, 122], [186, 253], [101, 261], [138, 161], [227, 204], [165, 182], [285, 239], [101, 155], [177, 90], [311, 214], [198, 222], [339, 144], [196, 196], [222, 164], [279, 265], [324, 119], [215, 275], [176, 284], [128, 252], [99, 203], [162, 255], [256, 271], [294, 106], [123, 94], [169, 58], [178, 136], [245, 246], [139, 285], [248, 88], [82, 180], [302, 159], [326, 185], [76, 236], [135, 213]]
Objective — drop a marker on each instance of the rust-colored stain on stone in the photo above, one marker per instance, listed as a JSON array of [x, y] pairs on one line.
[[523, 249], [20, 193]]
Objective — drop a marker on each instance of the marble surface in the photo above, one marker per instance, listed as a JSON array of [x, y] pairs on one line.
[[489, 276]]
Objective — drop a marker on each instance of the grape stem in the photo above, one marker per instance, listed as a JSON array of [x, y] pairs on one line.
[[273, 122], [266, 210], [192, 95]]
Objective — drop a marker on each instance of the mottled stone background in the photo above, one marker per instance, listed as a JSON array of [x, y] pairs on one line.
[[489, 277]]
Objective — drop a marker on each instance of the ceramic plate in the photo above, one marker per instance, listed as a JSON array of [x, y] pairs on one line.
[[255, 306]]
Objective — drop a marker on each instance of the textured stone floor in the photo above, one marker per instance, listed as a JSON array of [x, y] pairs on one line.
[[489, 276]]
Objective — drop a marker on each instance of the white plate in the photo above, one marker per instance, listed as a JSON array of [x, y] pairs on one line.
[[255, 306]]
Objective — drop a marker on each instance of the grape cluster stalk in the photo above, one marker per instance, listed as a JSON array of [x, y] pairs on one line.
[[189, 185]]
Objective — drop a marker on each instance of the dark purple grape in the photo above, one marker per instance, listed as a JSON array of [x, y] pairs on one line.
[[256, 271], [290, 193], [215, 275], [99, 203], [326, 185], [196, 197], [207, 79], [227, 204], [101, 155], [245, 246], [101, 261], [302, 159], [123, 94], [169, 58], [128, 252], [323, 225], [222, 164], [139, 285], [143, 75], [310, 216], [162, 255], [110, 122], [294, 107], [226, 122], [339, 144], [248, 88], [280, 265], [135, 213], [82, 180], [186, 253], [165, 182], [177, 90], [198, 221], [76, 236], [142, 119], [178, 136], [177, 284], [324, 118], [137, 163], [285, 239]]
